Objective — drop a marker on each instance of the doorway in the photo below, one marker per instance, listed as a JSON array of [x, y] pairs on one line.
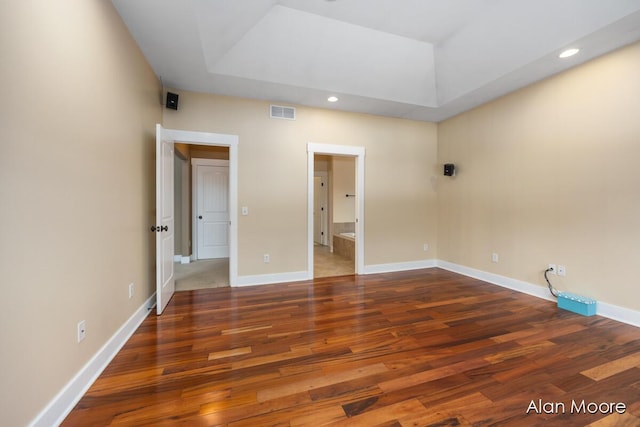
[[210, 189], [166, 140], [356, 154], [334, 216], [203, 199]]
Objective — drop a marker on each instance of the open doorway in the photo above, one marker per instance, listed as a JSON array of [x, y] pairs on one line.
[[344, 167], [164, 212], [334, 216], [201, 199]]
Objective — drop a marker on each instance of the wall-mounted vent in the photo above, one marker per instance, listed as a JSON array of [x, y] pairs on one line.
[[281, 112]]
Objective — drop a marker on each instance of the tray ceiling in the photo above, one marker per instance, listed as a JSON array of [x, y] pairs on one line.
[[417, 59]]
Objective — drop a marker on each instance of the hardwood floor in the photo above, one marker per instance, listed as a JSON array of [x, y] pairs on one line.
[[419, 348]]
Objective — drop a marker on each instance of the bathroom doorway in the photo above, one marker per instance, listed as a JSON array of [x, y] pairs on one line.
[[336, 175], [333, 252]]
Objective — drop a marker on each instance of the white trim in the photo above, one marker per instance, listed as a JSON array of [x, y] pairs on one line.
[[337, 150], [496, 279], [222, 140], [267, 279], [621, 314], [181, 259], [610, 311], [200, 138], [62, 404], [399, 266]]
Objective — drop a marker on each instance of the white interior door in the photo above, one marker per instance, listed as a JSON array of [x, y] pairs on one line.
[[212, 208], [164, 227]]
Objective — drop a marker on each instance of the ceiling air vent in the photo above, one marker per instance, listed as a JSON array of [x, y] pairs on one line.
[[280, 112]]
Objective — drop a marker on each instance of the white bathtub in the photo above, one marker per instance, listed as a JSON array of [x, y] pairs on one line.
[[349, 235]]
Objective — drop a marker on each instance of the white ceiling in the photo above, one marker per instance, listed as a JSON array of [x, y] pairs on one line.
[[416, 59]]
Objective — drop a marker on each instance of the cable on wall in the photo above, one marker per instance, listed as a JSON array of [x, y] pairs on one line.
[[551, 289]]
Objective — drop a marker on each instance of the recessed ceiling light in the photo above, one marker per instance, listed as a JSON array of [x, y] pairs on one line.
[[332, 99], [569, 52]]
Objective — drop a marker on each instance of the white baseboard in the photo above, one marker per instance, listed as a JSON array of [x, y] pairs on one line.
[[58, 409], [182, 259], [266, 279], [60, 406], [603, 309], [399, 266], [621, 314], [496, 279]]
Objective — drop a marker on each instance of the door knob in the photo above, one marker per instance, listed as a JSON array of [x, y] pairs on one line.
[[164, 228], [154, 229], [199, 216]]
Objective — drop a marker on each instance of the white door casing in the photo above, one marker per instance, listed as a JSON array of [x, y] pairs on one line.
[[199, 138], [164, 226], [211, 208], [336, 150]]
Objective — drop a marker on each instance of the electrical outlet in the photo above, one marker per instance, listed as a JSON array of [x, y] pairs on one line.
[[266, 258], [494, 257], [425, 247], [562, 270], [130, 290], [82, 330], [555, 269]]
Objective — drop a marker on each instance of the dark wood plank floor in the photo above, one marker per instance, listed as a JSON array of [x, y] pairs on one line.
[[419, 348]]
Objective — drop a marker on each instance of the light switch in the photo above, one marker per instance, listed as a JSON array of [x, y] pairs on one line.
[[245, 210]]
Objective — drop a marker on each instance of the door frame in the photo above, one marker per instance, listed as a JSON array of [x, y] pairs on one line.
[[195, 162], [337, 150], [220, 140]]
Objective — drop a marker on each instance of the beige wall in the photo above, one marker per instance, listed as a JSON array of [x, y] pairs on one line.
[[545, 175], [550, 174], [77, 186], [400, 211]]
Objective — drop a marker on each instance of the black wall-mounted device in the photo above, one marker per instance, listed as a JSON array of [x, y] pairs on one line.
[[172, 100], [449, 169]]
